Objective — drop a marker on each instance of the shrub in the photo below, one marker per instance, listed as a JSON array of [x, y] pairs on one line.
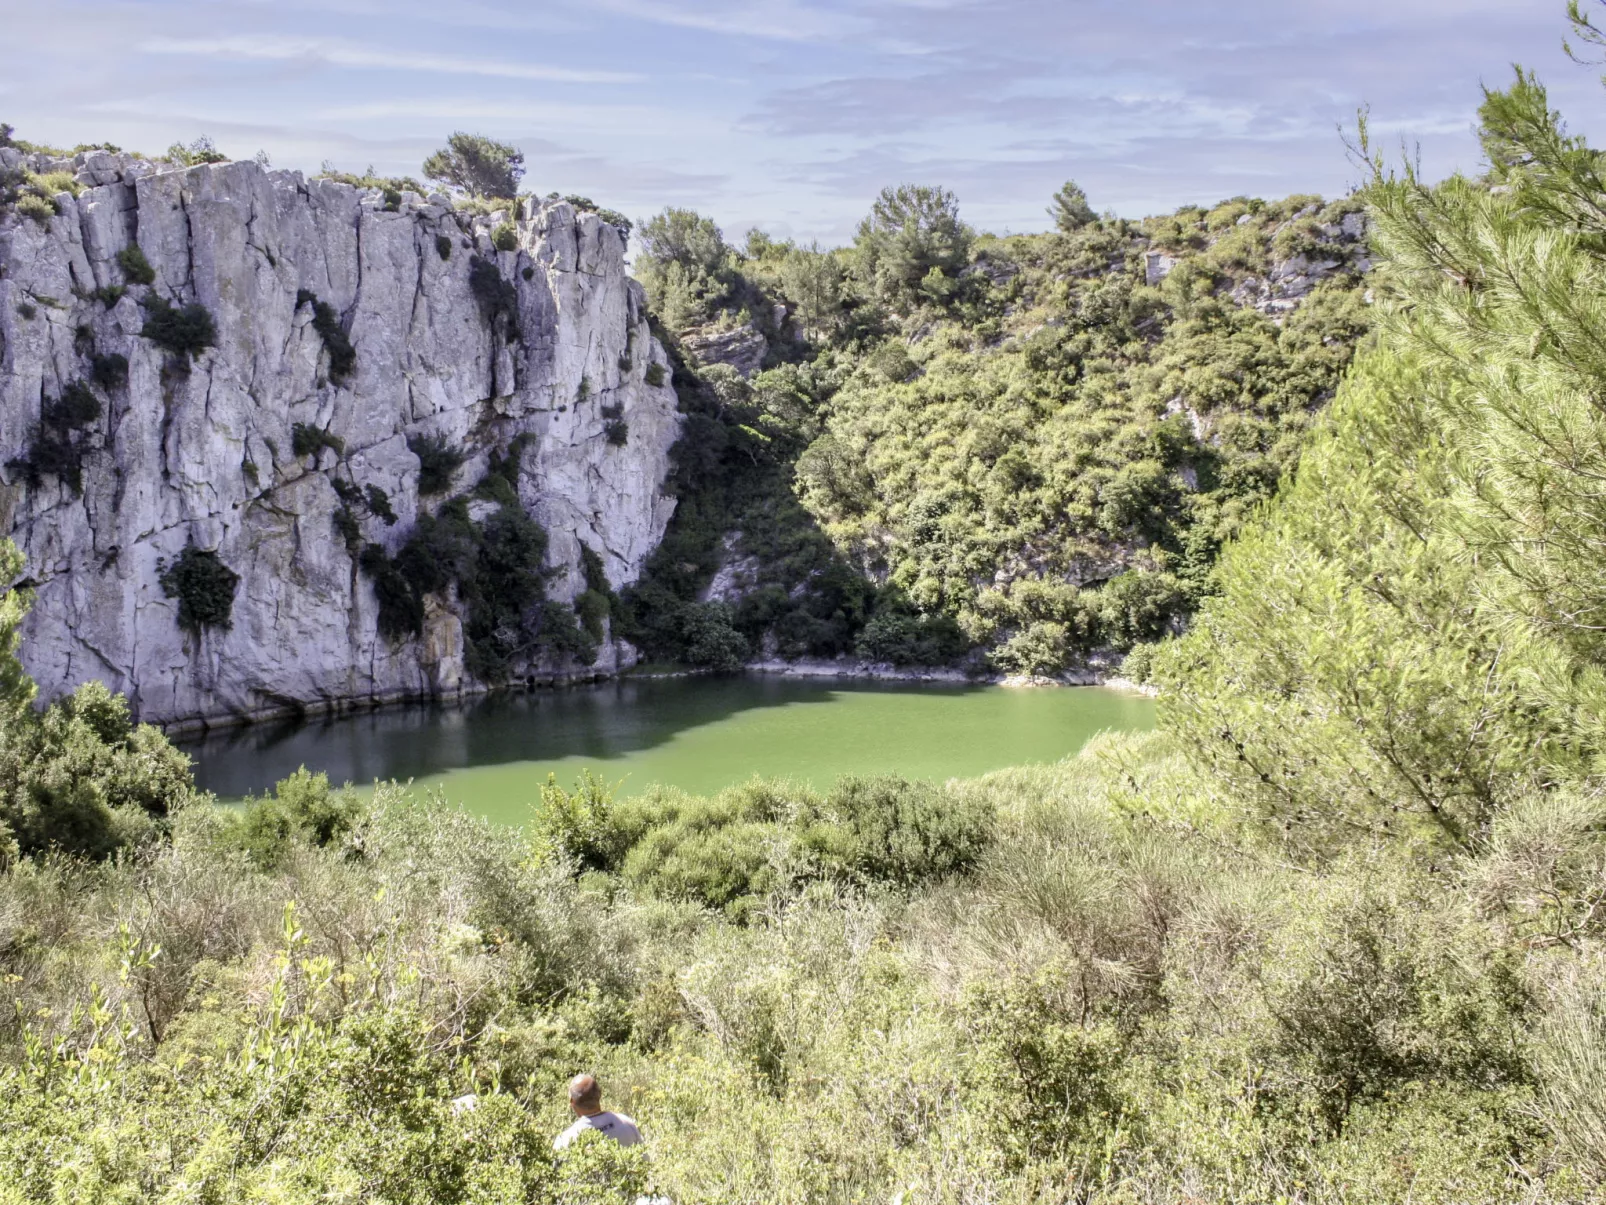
[[342, 355], [57, 447], [378, 502], [204, 586], [136, 268], [654, 375], [614, 427], [348, 527], [900, 832], [505, 237], [711, 639], [81, 778], [109, 371], [438, 462], [186, 330], [301, 808], [579, 825], [401, 604], [714, 851], [1039, 650], [1138, 665], [900, 637], [308, 440], [443, 246], [40, 209], [203, 150]]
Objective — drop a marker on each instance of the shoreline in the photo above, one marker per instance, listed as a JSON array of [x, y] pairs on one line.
[[847, 670]]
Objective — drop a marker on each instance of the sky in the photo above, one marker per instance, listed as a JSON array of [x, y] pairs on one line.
[[791, 114]]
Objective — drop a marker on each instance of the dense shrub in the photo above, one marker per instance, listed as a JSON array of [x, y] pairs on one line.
[[301, 809], [498, 566], [443, 246], [438, 462], [58, 443], [308, 440], [136, 268], [79, 777], [892, 830], [185, 330], [505, 237], [109, 371], [204, 586]]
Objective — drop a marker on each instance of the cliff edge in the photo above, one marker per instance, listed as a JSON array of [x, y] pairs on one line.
[[229, 380]]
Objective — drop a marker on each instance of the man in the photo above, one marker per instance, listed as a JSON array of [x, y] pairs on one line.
[[585, 1099]]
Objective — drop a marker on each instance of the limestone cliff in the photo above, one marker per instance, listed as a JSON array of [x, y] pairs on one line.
[[252, 448]]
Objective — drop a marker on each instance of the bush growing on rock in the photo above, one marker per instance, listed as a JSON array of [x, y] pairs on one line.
[[185, 330], [326, 322], [204, 586], [438, 462], [136, 268]]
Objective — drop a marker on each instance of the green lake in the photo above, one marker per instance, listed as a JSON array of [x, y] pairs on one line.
[[697, 733]]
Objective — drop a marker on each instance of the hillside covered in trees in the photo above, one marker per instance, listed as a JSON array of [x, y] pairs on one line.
[[937, 447]]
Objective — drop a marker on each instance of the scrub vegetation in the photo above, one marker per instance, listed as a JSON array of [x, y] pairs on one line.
[[1026, 449], [1334, 934]]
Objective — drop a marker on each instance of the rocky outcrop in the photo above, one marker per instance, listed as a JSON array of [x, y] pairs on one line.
[[742, 348], [254, 447]]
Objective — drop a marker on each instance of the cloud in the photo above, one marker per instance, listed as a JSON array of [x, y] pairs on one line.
[[348, 54]]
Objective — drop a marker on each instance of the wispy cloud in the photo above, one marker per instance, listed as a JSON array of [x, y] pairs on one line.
[[349, 54]]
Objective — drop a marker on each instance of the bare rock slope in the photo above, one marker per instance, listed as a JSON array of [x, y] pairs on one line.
[[276, 452]]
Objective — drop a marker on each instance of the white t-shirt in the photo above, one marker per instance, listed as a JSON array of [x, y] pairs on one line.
[[617, 1126]]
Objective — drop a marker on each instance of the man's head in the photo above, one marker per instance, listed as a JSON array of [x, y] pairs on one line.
[[585, 1095]]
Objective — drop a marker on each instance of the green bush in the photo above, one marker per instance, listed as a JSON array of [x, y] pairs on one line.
[[308, 440], [204, 586], [302, 809], [136, 268], [185, 330], [443, 246], [711, 639], [1042, 649], [900, 637], [654, 375], [109, 371], [906, 833], [438, 462], [40, 209], [57, 447], [505, 237]]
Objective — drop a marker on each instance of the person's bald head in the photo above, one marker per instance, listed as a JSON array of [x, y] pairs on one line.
[[585, 1095]]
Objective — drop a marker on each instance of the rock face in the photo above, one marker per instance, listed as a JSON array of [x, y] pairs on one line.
[[454, 339], [742, 348]]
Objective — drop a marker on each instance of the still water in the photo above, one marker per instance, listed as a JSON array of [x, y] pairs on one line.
[[700, 734]]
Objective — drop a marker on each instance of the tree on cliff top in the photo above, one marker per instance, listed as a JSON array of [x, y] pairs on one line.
[[478, 165]]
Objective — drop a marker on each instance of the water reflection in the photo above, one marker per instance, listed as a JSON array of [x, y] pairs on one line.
[[697, 733]]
